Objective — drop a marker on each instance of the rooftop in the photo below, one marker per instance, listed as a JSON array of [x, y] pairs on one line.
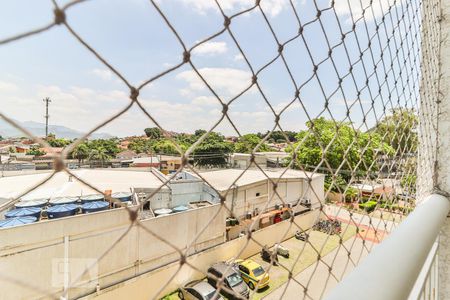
[[59, 185], [221, 180]]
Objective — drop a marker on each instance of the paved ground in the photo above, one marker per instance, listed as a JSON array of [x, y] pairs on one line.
[[317, 276], [314, 274], [385, 224]]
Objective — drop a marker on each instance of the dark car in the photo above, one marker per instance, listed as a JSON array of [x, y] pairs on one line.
[[233, 280], [199, 290]]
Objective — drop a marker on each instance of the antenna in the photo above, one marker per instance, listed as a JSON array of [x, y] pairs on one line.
[[47, 101]]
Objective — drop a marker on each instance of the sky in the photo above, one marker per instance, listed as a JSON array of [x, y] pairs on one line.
[[133, 38]]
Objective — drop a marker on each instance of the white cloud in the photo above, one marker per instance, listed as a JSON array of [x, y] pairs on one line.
[[185, 92], [292, 106], [8, 86], [251, 114], [76, 107], [274, 7], [104, 74], [349, 102], [225, 81], [271, 7], [211, 48], [205, 100], [238, 57], [379, 7]]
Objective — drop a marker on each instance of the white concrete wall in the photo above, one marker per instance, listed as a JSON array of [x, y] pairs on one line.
[[315, 191], [147, 285], [185, 191], [430, 94], [28, 253], [290, 190]]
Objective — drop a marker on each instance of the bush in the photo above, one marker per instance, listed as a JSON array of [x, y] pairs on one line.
[[401, 209], [368, 206], [351, 194], [364, 199]]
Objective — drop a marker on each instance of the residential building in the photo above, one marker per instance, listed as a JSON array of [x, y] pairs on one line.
[[169, 163], [145, 162]]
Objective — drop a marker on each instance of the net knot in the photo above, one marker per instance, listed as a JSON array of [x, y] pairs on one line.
[[186, 56], [226, 22], [60, 16]]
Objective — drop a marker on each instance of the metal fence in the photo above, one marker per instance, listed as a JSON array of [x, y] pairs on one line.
[[376, 59]]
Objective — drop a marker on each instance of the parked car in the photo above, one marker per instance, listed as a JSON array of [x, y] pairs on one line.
[[252, 273], [232, 280], [199, 290], [302, 236], [283, 251]]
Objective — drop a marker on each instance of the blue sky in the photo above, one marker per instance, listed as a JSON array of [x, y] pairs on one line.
[[134, 39]]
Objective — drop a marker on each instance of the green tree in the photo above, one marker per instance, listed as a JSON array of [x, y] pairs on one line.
[[99, 154], [248, 142], [140, 145], [213, 151], [278, 136], [58, 142], [337, 143], [199, 132], [110, 146], [399, 129], [185, 139], [36, 151], [336, 185], [166, 147], [80, 152], [153, 132]]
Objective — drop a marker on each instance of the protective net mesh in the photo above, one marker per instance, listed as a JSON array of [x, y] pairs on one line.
[[373, 67]]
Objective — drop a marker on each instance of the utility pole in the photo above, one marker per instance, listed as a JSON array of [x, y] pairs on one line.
[[47, 101]]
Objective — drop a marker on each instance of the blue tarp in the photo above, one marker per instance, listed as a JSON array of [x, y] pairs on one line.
[[94, 206], [122, 196], [16, 221], [24, 212], [63, 210]]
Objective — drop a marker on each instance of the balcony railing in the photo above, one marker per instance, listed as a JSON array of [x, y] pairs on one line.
[[404, 266]]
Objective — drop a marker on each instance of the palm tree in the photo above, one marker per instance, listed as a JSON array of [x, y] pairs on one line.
[[99, 154], [80, 152]]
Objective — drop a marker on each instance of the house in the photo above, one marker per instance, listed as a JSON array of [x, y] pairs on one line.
[[374, 190], [126, 155], [169, 163], [5, 148], [145, 162], [243, 160], [21, 148]]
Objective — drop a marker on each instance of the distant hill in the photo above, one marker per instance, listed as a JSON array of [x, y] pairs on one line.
[[38, 129]]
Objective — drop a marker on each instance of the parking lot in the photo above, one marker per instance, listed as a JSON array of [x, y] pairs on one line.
[[319, 242]]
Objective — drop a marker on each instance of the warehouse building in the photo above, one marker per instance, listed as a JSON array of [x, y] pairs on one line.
[[251, 191]]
